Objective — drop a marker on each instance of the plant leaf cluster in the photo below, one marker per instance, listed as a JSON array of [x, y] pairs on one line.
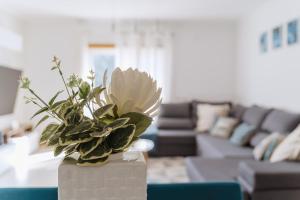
[[88, 137]]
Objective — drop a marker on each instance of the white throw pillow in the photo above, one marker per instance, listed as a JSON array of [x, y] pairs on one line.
[[207, 114], [289, 149], [224, 127], [260, 149]]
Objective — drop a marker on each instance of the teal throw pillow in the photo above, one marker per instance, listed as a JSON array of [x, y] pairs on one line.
[[242, 134]]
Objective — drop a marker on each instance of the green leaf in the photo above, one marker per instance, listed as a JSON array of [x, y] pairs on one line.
[[58, 150], [71, 149], [141, 121], [96, 92], [39, 111], [81, 127], [54, 97], [84, 90], [86, 163], [42, 120], [102, 150], [75, 139], [85, 148], [117, 123], [120, 138], [56, 105], [105, 132], [103, 110], [48, 131], [54, 139], [115, 111]]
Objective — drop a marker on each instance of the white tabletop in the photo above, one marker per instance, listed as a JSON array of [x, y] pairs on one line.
[[38, 170]]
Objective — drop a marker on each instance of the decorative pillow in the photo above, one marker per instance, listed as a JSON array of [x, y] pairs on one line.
[[289, 149], [242, 134], [207, 114], [223, 127], [264, 149]]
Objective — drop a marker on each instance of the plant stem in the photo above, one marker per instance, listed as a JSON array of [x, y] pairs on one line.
[[62, 76], [43, 102], [47, 110], [89, 107]]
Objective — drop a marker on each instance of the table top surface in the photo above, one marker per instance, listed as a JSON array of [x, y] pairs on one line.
[[38, 170], [41, 169]]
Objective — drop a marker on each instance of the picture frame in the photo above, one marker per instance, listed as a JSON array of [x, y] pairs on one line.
[[277, 37], [292, 32], [263, 42]]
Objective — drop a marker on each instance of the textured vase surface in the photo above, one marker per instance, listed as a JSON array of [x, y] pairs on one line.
[[119, 179]]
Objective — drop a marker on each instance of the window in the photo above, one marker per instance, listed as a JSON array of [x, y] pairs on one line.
[[102, 57]]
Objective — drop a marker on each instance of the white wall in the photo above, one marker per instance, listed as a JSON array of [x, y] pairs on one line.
[[42, 42], [270, 79], [204, 60]]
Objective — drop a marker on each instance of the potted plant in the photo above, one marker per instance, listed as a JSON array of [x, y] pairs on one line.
[[94, 123]]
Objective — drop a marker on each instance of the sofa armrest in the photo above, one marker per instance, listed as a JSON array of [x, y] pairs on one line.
[[256, 175]]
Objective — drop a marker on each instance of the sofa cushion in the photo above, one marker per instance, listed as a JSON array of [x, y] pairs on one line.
[[195, 104], [204, 169], [267, 176], [289, 149], [175, 110], [207, 115], [223, 127], [242, 134], [280, 121], [255, 115], [265, 148], [175, 123], [237, 111], [213, 147], [257, 138]]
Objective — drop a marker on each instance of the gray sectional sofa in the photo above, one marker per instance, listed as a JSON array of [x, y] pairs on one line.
[[209, 158]]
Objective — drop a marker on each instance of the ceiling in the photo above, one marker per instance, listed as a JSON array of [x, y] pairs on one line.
[[130, 9]]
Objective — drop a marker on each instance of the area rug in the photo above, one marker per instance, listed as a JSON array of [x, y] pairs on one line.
[[166, 170]]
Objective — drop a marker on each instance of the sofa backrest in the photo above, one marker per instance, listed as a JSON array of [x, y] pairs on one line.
[[237, 111], [255, 115], [280, 121], [176, 110]]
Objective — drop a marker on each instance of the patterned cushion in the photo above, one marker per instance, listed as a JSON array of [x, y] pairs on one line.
[[207, 115], [242, 134], [223, 127], [264, 149], [289, 149]]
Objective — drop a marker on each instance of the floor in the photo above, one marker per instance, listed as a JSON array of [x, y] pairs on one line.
[[167, 170], [40, 170]]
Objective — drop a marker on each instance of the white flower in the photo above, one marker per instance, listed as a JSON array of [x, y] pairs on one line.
[[133, 91]]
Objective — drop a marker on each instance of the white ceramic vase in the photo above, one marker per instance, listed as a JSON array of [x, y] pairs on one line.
[[123, 177]]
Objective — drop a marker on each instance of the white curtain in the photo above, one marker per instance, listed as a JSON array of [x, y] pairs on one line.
[[148, 47]]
